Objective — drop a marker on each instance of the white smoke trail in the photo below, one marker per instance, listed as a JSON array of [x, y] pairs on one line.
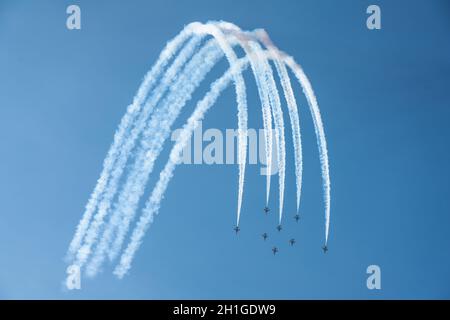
[[104, 205], [320, 133], [241, 97], [152, 101], [263, 70], [84, 252], [268, 85], [135, 184], [278, 120], [153, 203], [242, 138], [262, 92], [159, 127], [121, 134], [292, 108], [153, 139], [317, 120]]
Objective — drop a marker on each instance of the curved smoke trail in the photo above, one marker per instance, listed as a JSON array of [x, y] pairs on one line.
[[242, 124], [135, 184], [320, 133], [261, 79], [128, 199], [241, 97], [127, 147], [153, 138], [292, 108], [279, 123], [193, 28], [180, 80], [267, 84], [263, 93], [153, 203], [122, 132]]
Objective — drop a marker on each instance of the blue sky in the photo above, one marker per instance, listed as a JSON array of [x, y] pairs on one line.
[[384, 101]]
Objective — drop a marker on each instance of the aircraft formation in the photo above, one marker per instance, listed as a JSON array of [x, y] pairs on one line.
[[265, 235]]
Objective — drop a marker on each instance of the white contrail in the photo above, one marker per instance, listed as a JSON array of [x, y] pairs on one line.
[[263, 94], [278, 120], [147, 154], [292, 107], [263, 71], [181, 83], [153, 139], [108, 196], [320, 133], [121, 133], [153, 203], [124, 225], [317, 120], [241, 97], [169, 76], [242, 137]]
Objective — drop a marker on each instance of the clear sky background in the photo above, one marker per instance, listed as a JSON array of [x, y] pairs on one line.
[[384, 97]]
